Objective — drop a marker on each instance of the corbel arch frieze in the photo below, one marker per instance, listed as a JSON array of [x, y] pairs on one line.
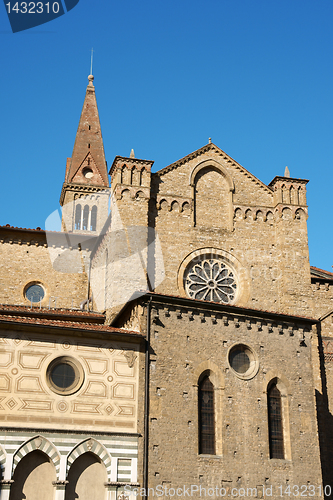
[[294, 210], [183, 203]]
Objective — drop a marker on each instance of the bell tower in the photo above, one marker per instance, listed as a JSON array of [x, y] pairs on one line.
[[85, 192]]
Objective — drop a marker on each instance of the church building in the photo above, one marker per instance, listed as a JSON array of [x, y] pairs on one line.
[[170, 339]]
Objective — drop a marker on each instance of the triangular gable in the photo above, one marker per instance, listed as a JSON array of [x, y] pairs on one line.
[[79, 178], [211, 147]]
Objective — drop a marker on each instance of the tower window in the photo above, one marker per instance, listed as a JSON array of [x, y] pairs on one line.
[[78, 217], [206, 417], [85, 218], [275, 424], [93, 218]]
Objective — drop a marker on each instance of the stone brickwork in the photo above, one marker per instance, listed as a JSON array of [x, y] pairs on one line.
[[26, 260], [206, 201], [187, 341]]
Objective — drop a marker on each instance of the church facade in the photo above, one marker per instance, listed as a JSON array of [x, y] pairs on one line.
[[170, 340]]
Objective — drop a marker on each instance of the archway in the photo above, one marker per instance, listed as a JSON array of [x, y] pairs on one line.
[[33, 478], [86, 479]]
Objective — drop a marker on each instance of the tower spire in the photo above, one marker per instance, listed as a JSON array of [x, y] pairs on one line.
[[88, 165]]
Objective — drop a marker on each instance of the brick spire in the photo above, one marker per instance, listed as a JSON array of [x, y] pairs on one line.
[[87, 165]]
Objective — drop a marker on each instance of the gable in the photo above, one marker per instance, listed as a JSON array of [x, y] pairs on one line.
[[88, 172], [247, 189]]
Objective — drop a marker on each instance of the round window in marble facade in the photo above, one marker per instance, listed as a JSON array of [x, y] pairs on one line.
[[64, 375], [210, 278]]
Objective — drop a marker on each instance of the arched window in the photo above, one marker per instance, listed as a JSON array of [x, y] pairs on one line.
[[93, 218], [78, 217], [85, 218], [206, 417], [141, 177], [275, 424]]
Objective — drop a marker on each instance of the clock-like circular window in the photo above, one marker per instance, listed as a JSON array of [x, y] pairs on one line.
[[65, 375], [35, 293], [210, 278], [243, 361]]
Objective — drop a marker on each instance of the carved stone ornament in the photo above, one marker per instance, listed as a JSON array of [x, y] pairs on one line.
[[122, 496], [131, 357], [38, 442]]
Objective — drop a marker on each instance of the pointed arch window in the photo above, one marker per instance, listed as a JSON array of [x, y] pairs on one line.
[[85, 218], [93, 218], [206, 417], [78, 216], [140, 177], [275, 423]]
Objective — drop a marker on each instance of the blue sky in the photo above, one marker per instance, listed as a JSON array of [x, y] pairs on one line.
[[256, 76]]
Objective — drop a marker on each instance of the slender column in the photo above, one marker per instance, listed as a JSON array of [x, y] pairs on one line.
[[89, 219], [114, 469], [60, 489], [61, 482], [7, 481], [81, 224], [5, 488], [134, 470]]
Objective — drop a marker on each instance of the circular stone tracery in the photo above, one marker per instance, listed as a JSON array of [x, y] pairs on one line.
[[210, 279]]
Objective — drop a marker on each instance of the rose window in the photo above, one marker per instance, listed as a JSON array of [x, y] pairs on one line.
[[210, 279]]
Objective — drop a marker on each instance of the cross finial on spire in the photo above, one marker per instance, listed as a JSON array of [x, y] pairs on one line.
[[91, 61]]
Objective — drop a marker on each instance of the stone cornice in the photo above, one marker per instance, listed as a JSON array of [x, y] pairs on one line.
[[68, 186], [288, 180], [201, 306], [146, 163], [47, 432]]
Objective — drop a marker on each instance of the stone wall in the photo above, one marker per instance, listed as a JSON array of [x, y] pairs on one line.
[[189, 341], [27, 258]]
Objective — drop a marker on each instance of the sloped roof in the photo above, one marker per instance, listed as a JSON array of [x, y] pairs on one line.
[[60, 319], [316, 272]]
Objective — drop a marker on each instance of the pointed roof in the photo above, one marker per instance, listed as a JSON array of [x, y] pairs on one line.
[[87, 165]]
